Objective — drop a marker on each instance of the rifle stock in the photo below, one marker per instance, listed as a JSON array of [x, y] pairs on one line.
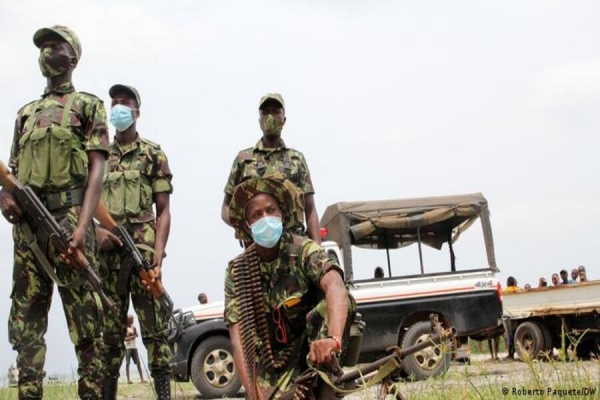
[[38, 217], [141, 265]]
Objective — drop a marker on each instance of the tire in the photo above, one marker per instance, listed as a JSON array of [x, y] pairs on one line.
[[213, 370], [529, 340], [428, 362]]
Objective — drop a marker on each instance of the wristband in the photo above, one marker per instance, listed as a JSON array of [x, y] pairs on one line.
[[338, 341]]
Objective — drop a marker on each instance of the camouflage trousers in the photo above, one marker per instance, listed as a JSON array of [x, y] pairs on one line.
[[28, 321], [152, 319]]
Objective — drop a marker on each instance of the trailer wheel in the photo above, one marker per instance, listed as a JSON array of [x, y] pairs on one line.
[[213, 370], [428, 362], [529, 340]]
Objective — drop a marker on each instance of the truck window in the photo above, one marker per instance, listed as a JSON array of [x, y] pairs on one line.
[[469, 251]]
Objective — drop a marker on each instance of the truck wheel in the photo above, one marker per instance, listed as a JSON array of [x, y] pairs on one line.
[[529, 340], [213, 369], [428, 362]]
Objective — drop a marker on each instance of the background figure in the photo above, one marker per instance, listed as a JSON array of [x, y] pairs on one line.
[[574, 274], [527, 286], [543, 282], [378, 273], [271, 156], [564, 277], [131, 349], [202, 298], [555, 280], [13, 376], [511, 285], [582, 274]]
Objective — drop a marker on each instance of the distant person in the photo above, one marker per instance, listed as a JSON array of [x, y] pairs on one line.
[[202, 298], [564, 277], [511, 285], [13, 376], [582, 274], [574, 275], [379, 273], [131, 349], [527, 286], [555, 280], [543, 282]]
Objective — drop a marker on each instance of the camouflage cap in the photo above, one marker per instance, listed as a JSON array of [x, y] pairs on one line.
[[64, 32], [128, 90], [271, 96], [289, 197]]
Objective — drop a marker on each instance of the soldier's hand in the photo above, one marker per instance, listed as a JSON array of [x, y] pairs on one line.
[[320, 351], [77, 241], [107, 240], [155, 274], [8, 206]]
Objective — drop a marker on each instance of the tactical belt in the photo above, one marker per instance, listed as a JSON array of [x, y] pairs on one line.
[[66, 199]]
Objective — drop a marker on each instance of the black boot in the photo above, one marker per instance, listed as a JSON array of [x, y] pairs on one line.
[[162, 385], [109, 388]]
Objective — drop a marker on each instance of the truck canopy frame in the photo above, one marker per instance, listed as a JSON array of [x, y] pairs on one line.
[[392, 224]]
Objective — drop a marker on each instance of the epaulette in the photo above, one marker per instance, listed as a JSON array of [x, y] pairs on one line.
[[246, 155], [151, 143]]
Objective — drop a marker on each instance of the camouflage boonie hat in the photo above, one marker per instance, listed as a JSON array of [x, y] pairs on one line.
[[64, 32], [289, 197], [128, 90], [271, 96]]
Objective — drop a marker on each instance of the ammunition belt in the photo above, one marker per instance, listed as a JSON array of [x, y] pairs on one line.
[[253, 317]]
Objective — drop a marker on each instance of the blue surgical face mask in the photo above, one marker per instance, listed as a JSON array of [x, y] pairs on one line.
[[267, 231], [121, 117]]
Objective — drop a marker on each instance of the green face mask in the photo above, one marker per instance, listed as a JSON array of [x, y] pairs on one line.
[[52, 65], [271, 127]]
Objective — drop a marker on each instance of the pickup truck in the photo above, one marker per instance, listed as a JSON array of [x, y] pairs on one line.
[[466, 295], [540, 318]]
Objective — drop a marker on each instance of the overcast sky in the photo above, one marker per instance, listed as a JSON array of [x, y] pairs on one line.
[[385, 99]]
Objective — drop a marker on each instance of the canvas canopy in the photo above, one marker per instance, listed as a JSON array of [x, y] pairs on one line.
[[389, 224]]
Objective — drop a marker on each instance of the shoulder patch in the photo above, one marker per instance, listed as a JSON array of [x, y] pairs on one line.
[[151, 143]]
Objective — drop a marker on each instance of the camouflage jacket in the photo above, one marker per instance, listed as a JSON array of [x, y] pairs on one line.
[[134, 174], [291, 288], [86, 121], [259, 161]]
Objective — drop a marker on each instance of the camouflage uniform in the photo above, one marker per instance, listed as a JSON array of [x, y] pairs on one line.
[[291, 287], [258, 161], [135, 173], [55, 166]]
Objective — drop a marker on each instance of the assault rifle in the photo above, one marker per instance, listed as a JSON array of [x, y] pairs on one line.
[[44, 225], [141, 265], [344, 383]]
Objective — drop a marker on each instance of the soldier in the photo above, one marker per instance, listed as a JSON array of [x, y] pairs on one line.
[[59, 149], [270, 155], [137, 176], [300, 307]]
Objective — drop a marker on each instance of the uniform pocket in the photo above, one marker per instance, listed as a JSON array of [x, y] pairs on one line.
[[79, 164], [114, 191], [60, 157], [133, 183]]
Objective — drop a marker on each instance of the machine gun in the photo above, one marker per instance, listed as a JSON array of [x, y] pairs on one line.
[[141, 265], [45, 226], [336, 381]]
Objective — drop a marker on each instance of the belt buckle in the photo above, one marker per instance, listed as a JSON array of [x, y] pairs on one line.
[[68, 198]]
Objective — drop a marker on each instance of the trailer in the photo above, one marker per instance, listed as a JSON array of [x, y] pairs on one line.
[[554, 317]]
